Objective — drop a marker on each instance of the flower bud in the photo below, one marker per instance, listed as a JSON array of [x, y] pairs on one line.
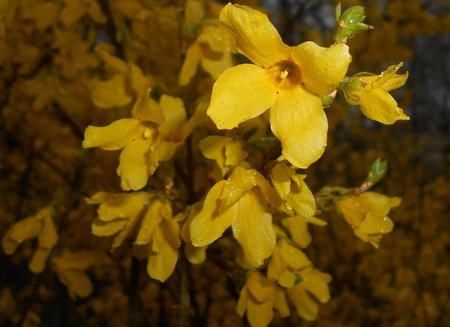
[[350, 23]]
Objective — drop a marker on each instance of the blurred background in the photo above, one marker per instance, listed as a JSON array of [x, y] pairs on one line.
[[45, 106]]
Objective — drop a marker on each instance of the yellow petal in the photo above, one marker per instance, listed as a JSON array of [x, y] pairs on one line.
[[80, 260], [240, 181], [322, 69], [256, 37], [77, 282], [153, 216], [37, 263], [139, 82], [376, 225], [218, 38], [280, 303], [301, 198], [48, 236], [287, 279], [115, 136], [389, 80], [299, 122], [161, 264], [212, 147], [196, 119], [306, 307], [132, 169], [294, 257], [298, 228], [127, 231], [111, 93], [277, 265], [281, 179], [174, 114], [215, 63], [101, 228], [193, 12], [119, 205], [161, 151], [380, 106], [316, 282], [191, 61], [240, 93], [118, 65], [253, 228], [23, 230], [260, 287], [241, 306], [147, 109], [194, 254], [207, 226], [394, 82], [259, 314]]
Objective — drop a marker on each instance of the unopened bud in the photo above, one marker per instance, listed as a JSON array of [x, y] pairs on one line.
[[350, 23]]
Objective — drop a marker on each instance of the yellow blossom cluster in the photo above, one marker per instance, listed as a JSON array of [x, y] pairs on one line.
[[218, 122]]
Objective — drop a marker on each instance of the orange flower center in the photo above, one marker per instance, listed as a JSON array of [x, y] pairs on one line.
[[286, 74]]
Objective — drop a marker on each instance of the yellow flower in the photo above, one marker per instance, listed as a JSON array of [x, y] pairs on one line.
[[39, 226], [258, 298], [312, 282], [127, 83], [148, 221], [212, 49], [240, 202], [227, 152], [118, 214], [367, 214], [289, 80], [371, 93], [293, 190], [152, 136], [71, 266], [285, 262]]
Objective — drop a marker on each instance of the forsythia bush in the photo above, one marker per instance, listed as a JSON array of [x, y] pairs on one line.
[[215, 122]]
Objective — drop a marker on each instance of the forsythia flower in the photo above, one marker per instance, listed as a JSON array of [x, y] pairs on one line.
[[312, 282], [289, 80], [293, 190], [157, 235], [144, 143], [258, 298], [367, 214], [285, 262], [370, 92], [127, 83], [227, 152], [240, 202], [71, 266], [118, 214], [212, 49], [41, 226]]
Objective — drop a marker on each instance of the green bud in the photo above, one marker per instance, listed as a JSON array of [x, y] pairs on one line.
[[377, 171], [350, 23]]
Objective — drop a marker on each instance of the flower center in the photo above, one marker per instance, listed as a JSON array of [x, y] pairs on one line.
[[286, 74]]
